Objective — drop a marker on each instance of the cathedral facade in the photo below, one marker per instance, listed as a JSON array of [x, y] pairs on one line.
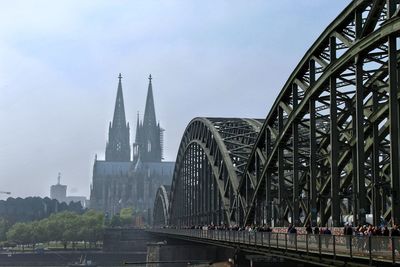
[[130, 175]]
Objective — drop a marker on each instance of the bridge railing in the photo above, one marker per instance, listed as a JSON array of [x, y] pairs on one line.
[[372, 248]]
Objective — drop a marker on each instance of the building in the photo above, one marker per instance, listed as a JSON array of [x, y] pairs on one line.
[[125, 179], [59, 192]]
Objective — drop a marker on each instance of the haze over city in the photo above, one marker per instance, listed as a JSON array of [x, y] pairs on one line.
[[59, 62]]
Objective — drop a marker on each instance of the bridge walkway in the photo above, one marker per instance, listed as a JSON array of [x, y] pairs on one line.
[[335, 249]]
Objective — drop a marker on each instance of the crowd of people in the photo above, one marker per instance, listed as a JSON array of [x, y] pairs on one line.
[[355, 237], [379, 237], [360, 230]]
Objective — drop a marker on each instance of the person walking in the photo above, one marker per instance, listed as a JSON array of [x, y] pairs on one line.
[[348, 233], [308, 229], [385, 234], [316, 235], [292, 234], [316, 230], [327, 236], [309, 232], [395, 234]]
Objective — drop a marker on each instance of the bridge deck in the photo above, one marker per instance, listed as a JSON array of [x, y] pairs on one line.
[[370, 250]]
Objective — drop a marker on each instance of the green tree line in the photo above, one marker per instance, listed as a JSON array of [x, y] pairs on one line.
[[122, 219], [28, 209], [66, 227]]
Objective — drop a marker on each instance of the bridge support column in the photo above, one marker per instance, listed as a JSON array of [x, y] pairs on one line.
[[313, 165], [296, 193], [334, 138], [268, 198], [394, 127], [281, 173], [376, 199], [394, 119], [268, 191], [312, 187], [359, 124], [354, 196], [360, 144]]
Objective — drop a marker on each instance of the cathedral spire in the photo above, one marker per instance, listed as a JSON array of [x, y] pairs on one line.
[[148, 133], [118, 148], [119, 120], [149, 117]]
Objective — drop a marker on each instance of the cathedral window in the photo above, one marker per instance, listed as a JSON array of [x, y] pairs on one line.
[[148, 146]]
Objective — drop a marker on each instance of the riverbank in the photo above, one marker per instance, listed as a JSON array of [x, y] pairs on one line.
[[63, 258]]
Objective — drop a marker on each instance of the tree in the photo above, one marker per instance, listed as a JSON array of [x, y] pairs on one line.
[[20, 233], [115, 221], [41, 231], [4, 227], [34, 208], [72, 225], [91, 229], [126, 216], [66, 227]]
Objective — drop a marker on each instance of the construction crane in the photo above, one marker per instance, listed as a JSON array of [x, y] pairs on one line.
[[4, 192]]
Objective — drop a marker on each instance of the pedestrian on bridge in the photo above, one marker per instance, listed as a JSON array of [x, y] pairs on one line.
[[348, 233], [292, 231], [395, 234], [385, 233], [316, 233], [316, 230], [327, 236], [309, 229], [309, 232]]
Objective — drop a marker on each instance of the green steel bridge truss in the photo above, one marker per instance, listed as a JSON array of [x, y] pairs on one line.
[[328, 148]]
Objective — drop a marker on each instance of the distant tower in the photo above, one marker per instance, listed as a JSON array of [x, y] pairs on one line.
[[118, 145], [148, 132], [58, 191]]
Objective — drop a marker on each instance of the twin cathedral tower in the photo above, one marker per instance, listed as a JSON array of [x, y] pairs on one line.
[[130, 177], [148, 142]]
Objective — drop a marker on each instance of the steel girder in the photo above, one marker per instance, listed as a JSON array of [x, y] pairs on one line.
[[330, 145], [211, 161], [161, 206]]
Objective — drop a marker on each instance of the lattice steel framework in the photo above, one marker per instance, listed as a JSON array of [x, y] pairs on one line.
[[161, 206], [210, 163], [328, 148], [330, 145]]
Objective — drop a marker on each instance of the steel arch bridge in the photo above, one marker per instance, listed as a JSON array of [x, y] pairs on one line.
[[328, 148], [161, 206], [211, 161]]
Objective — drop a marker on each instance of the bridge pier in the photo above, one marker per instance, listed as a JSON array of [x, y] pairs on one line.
[[176, 253]]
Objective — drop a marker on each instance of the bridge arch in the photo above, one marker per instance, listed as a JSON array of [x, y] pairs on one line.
[[161, 206], [210, 163], [329, 146]]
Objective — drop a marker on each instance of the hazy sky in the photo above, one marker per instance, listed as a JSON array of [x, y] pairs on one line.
[[59, 62]]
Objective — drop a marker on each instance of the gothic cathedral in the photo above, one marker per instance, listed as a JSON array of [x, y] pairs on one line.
[[126, 179]]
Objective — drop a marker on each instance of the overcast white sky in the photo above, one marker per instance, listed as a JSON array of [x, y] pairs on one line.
[[59, 62]]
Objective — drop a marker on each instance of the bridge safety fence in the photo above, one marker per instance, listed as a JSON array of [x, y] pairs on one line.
[[372, 248]]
